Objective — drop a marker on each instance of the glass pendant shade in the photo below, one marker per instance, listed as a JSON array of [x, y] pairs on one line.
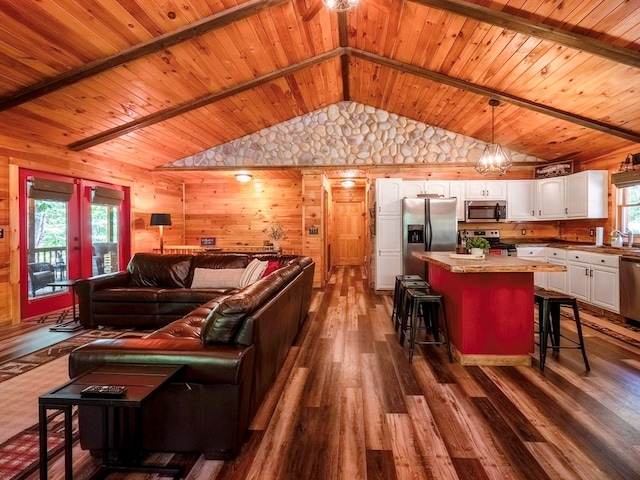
[[494, 158], [340, 5]]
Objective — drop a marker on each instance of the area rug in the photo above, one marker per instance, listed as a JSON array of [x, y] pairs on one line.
[[20, 455], [30, 361]]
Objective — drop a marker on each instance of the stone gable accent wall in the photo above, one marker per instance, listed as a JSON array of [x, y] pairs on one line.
[[345, 134]]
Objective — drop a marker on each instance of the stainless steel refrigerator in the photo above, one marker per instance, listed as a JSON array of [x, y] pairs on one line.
[[428, 224]]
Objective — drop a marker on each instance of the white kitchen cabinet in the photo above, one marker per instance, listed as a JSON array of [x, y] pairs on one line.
[[485, 190], [413, 188], [521, 200], [388, 195], [605, 283], [578, 275], [586, 194], [387, 267], [593, 278], [557, 280], [456, 189], [537, 254], [551, 198]]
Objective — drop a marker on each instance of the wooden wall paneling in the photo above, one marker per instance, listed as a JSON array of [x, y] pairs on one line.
[[238, 213], [312, 214]]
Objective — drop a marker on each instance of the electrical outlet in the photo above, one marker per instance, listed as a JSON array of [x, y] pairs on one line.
[[591, 232], [1, 232], [524, 231]]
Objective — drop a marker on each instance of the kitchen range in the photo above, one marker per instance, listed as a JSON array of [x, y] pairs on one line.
[[493, 237]]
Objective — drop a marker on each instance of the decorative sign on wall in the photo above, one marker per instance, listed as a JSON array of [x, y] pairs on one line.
[[208, 241], [554, 170]]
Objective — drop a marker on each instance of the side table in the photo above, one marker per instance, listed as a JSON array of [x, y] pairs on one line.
[[142, 381], [71, 325]]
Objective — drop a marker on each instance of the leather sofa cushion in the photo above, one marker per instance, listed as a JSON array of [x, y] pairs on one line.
[[223, 323], [190, 295], [154, 270], [127, 294]]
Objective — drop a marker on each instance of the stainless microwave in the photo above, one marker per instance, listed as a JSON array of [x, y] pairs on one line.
[[485, 210]]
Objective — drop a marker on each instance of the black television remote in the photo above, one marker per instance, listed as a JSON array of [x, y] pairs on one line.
[[104, 391]]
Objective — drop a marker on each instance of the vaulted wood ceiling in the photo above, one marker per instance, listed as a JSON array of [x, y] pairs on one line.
[[147, 82]]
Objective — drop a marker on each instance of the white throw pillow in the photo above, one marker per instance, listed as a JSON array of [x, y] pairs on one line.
[[253, 272], [217, 277]]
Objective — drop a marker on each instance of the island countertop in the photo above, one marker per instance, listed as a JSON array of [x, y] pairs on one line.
[[491, 263]]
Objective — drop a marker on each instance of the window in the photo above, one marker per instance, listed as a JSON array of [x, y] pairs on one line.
[[629, 208]]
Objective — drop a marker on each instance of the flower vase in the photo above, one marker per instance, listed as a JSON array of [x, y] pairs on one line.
[[276, 245]]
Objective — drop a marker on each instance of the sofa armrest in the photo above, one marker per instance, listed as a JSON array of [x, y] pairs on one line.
[[84, 290], [206, 364]]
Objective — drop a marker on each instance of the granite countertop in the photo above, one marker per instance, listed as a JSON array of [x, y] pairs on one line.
[[489, 264]]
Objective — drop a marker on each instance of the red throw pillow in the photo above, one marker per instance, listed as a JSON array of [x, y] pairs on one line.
[[272, 266]]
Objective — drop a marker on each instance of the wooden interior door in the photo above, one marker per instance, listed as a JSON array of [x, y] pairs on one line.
[[349, 233]]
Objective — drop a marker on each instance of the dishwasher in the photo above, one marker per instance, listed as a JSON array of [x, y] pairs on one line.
[[630, 287]]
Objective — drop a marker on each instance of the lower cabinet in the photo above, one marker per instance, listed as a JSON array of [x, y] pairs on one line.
[[593, 278], [557, 280], [387, 267]]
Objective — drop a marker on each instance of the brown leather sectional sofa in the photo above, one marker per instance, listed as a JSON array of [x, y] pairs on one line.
[[232, 346]]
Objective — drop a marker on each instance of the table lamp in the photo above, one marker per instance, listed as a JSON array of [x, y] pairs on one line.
[[161, 220]]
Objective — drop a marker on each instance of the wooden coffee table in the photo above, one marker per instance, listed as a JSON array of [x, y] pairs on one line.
[[141, 381]]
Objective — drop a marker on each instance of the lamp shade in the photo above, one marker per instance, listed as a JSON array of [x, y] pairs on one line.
[[160, 219]]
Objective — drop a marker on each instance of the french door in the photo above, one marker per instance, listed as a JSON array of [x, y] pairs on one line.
[[70, 228]]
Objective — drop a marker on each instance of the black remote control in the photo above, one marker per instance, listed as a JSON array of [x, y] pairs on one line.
[[103, 391]]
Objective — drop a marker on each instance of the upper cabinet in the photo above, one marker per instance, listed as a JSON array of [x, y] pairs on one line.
[[456, 189], [586, 194], [521, 200], [485, 190], [388, 195], [551, 198], [413, 188]]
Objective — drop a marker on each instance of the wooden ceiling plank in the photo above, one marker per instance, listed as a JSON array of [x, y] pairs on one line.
[[180, 109], [435, 76], [536, 29], [164, 41]]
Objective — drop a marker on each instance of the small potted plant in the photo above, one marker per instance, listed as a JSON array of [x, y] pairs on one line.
[[477, 245]]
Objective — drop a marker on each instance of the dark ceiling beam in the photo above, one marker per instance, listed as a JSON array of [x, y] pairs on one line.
[[228, 16], [344, 59], [201, 102], [536, 29], [491, 93]]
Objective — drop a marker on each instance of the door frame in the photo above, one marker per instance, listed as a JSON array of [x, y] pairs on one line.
[[80, 263]]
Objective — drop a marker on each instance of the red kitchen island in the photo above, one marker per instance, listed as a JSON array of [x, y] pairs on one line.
[[489, 305]]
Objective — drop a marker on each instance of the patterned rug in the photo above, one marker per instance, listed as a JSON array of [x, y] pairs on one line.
[[19, 456], [30, 361]]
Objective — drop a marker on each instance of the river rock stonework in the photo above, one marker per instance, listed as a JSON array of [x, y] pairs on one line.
[[346, 133]]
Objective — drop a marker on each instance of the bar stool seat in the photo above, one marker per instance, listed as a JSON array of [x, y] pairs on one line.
[[396, 294], [549, 304], [400, 320], [426, 305]]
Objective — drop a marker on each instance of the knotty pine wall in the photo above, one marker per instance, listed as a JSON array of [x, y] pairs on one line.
[[237, 214]]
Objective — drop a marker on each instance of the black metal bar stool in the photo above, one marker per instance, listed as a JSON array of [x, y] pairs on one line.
[[428, 306], [549, 304], [396, 294], [400, 319]]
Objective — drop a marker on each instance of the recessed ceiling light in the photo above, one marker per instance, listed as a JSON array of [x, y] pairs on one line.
[[347, 183], [243, 177]]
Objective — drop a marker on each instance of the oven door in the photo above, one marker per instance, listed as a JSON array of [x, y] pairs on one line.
[[483, 211]]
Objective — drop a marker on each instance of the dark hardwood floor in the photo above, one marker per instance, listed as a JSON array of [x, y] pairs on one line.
[[348, 405]]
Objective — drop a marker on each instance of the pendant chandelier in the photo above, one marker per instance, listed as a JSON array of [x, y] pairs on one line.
[[494, 158], [340, 5]]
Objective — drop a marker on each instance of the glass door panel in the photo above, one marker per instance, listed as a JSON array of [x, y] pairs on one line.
[[104, 239]]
